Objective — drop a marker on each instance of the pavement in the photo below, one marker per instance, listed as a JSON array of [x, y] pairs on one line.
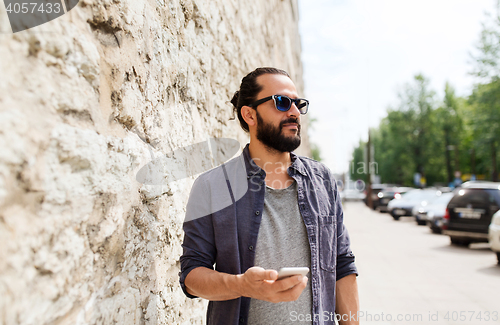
[[407, 275]]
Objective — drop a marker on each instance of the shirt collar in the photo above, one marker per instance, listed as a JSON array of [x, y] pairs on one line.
[[253, 168]]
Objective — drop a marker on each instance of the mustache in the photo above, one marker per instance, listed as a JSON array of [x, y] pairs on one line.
[[290, 120]]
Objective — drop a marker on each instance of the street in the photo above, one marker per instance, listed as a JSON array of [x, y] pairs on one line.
[[407, 275]]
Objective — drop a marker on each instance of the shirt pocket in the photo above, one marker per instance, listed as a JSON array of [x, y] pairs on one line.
[[327, 243]]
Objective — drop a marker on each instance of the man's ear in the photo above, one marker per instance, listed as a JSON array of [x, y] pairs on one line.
[[249, 115]]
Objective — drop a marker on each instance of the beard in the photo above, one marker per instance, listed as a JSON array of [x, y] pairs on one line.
[[273, 137]]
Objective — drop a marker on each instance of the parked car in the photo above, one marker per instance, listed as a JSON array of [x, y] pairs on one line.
[[470, 211], [376, 188], [494, 234], [445, 189], [405, 204], [388, 194], [352, 195], [432, 212]]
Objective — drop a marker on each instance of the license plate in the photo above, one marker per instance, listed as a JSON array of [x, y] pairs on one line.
[[467, 213], [421, 216], [399, 212]]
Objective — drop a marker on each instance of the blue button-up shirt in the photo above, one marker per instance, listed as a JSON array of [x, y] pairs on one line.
[[225, 234]]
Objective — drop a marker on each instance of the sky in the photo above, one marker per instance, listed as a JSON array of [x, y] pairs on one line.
[[357, 55]]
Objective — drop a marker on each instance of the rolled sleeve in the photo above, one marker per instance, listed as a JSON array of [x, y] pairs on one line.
[[198, 250], [183, 285], [199, 243], [345, 257]]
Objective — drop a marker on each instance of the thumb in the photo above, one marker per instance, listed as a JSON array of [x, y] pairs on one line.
[[259, 273], [271, 275]]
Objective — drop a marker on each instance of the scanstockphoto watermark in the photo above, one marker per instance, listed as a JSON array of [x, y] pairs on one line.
[[328, 316], [358, 185], [202, 156], [232, 180], [362, 168], [467, 317]]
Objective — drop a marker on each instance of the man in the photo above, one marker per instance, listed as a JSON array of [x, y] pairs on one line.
[[287, 215]]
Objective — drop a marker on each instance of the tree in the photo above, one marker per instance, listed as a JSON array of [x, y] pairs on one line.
[[487, 59], [448, 131], [316, 152], [357, 167], [485, 98], [485, 122], [315, 149], [402, 146]]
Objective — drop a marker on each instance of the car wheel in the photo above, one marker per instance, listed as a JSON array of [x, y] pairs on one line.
[[421, 222], [435, 230], [498, 258], [396, 217]]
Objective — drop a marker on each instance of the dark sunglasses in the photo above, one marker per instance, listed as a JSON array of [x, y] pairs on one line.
[[283, 103]]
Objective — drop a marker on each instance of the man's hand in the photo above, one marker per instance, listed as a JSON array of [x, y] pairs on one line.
[[254, 283], [262, 284]]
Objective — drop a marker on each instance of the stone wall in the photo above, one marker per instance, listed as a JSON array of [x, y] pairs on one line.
[[88, 99]]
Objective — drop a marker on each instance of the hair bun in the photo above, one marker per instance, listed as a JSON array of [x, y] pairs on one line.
[[236, 96]]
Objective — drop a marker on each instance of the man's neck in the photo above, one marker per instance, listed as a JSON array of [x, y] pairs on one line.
[[270, 160]]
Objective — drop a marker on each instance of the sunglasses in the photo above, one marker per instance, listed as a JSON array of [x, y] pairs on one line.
[[283, 103]]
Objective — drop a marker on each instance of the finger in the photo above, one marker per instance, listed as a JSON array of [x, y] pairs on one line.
[[291, 294], [272, 275]]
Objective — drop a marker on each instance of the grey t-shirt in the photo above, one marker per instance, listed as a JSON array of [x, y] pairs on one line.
[[282, 242]]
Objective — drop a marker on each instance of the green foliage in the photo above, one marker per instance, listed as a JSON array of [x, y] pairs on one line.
[[315, 152], [485, 125], [485, 99], [357, 168], [401, 143], [487, 59], [447, 144]]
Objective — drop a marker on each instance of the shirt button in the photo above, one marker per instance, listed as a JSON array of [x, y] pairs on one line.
[[250, 247], [242, 320], [257, 213]]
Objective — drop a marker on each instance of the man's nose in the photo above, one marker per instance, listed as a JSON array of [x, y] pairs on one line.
[[294, 111]]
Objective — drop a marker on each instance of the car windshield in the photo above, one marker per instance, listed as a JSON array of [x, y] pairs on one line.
[[412, 195], [416, 195], [494, 196], [443, 199]]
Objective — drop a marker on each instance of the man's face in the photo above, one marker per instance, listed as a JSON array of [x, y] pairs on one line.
[[275, 129]]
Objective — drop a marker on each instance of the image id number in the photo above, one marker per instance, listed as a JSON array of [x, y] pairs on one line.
[[33, 7], [471, 316]]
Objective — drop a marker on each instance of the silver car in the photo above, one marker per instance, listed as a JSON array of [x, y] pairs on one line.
[[403, 206], [432, 212]]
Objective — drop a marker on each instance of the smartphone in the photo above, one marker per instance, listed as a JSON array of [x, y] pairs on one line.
[[285, 272]]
